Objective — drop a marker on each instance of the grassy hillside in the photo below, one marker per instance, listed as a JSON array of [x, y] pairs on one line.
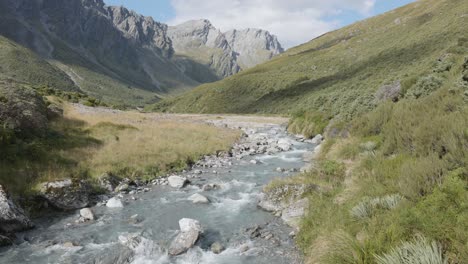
[[390, 94], [339, 72], [19, 64]]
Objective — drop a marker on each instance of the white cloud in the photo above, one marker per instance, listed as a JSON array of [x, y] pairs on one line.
[[293, 21]]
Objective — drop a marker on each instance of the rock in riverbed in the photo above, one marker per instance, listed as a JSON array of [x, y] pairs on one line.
[[190, 231], [199, 199], [108, 182], [12, 217], [217, 247], [177, 182], [114, 203], [86, 214], [66, 194]]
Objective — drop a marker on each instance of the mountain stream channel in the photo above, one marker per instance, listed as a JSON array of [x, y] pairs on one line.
[[142, 231]]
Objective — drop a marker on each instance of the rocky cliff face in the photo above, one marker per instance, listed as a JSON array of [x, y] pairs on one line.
[[226, 53], [107, 50], [253, 46]]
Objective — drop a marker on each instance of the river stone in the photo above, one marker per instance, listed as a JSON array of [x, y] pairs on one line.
[[294, 212], [190, 231], [108, 182], [5, 241], [66, 194], [210, 186], [199, 199], [317, 139], [123, 187], [114, 203], [177, 181], [87, 214], [284, 144], [12, 217], [217, 247]]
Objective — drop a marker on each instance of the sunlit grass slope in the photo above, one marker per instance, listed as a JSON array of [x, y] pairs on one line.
[[339, 72]]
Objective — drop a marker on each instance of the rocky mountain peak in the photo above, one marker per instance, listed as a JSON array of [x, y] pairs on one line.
[[253, 46]]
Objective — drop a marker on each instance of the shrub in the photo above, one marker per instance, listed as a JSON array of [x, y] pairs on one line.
[[425, 86], [418, 251], [367, 208], [308, 124], [332, 171], [363, 210], [390, 202], [418, 177]]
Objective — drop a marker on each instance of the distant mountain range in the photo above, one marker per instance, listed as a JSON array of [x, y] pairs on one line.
[[117, 55]]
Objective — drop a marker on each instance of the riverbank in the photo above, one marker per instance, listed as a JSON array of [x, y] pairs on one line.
[[220, 191]]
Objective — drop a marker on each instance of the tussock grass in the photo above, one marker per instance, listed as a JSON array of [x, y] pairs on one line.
[[420, 251], [88, 142]]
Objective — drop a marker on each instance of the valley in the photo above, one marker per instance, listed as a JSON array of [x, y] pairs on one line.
[[128, 140]]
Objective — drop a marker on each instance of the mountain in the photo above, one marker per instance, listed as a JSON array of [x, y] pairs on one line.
[[225, 53], [111, 53], [340, 72]]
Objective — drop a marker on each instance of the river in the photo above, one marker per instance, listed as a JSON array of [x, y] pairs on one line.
[[142, 231]]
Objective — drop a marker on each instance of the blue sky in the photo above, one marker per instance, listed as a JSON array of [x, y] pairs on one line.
[[293, 21]]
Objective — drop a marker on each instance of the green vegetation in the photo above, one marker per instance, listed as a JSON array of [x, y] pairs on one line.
[[339, 73], [18, 64], [84, 145], [391, 96], [407, 176]]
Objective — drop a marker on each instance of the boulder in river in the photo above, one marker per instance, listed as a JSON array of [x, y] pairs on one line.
[[199, 199], [87, 214], [284, 144], [217, 247], [114, 203], [66, 194], [5, 241], [210, 186], [177, 181], [190, 231], [12, 217]]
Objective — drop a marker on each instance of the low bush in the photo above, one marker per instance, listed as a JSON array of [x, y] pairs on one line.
[[420, 251], [308, 124]]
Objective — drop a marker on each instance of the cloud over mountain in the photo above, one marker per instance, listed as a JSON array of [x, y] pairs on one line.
[[293, 21]]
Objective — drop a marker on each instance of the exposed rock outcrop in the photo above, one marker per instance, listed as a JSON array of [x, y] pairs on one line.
[[190, 231], [287, 201], [225, 53], [66, 194], [12, 217], [253, 46]]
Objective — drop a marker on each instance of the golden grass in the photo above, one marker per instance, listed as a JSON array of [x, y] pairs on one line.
[[138, 144]]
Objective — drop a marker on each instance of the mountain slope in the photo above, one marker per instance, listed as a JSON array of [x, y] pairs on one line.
[[110, 53], [225, 53], [339, 72]]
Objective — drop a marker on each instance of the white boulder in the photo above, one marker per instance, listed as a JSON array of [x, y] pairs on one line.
[[87, 214], [114, 203], [199, 199], [177, 181]]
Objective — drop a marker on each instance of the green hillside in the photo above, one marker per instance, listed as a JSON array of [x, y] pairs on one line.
[[390, 95], [339, 72], [20, 64]]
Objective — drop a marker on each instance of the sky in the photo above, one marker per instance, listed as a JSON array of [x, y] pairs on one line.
[[293, 21]]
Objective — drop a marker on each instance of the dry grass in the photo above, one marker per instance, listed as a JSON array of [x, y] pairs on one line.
[[137, 144]]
